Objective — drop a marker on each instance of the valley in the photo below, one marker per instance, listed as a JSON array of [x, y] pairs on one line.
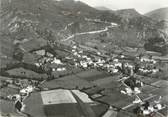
[[66, 58]]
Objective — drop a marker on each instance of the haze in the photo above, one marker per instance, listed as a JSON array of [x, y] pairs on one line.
[[142, 6]]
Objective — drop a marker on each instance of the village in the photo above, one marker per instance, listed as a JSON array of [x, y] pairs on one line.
[[68, 58], [52, 74]]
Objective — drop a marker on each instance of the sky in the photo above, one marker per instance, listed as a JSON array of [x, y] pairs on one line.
[[142, 6]]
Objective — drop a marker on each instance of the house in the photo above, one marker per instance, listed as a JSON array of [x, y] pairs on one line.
[[40, 52], [57, 61]]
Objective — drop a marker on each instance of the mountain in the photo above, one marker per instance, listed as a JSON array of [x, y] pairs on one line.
[[102, 8], [58, 20], [158, 14], [128, 13]]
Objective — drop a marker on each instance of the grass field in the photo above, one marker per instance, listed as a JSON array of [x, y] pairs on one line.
[[92, 75], [67, 82], [25, 73], [8, 108]]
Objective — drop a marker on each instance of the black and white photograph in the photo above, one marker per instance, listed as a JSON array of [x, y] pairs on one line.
[[83, 58]]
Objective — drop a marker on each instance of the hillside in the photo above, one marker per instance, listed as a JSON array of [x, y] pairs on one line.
[[67, 44], [54, 21], [128, 13], [158, 14]]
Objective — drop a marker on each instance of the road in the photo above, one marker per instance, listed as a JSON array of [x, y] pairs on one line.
[[90, 32]]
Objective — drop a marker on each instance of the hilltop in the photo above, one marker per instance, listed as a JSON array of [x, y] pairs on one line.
[[102, 8], [158, 14]]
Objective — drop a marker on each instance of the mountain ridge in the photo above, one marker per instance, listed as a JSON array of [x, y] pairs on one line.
[[57, 20], [158, 14], [102, 8]]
